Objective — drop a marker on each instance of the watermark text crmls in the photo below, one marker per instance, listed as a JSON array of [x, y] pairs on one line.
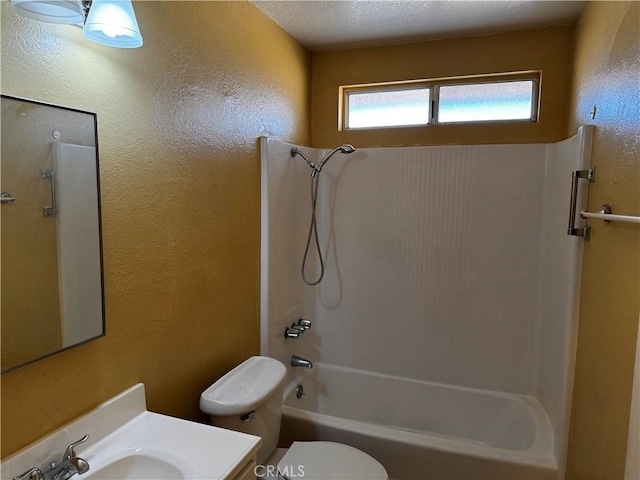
[[288, 471]]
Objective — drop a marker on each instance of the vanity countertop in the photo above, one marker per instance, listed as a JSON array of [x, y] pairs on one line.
[[123, 427]]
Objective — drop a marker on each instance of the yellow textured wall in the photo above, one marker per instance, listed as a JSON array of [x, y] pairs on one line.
[[607, 74], [178, 124], [548, 50]]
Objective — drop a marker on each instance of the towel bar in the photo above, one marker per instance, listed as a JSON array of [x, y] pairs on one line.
[[607, 215]]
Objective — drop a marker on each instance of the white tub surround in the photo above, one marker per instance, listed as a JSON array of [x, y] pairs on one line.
[[448, 265], [123, 435]]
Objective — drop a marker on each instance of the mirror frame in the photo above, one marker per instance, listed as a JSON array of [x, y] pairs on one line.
[[100, 241]]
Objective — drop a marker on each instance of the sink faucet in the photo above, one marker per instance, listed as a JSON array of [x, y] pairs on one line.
[[70, 467], [65, 468], [297, 361], [70, 463]]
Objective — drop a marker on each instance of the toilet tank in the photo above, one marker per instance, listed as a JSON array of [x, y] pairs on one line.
[[249, 399]]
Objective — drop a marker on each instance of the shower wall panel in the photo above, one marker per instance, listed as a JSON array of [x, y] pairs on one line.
[[432, 260], [559, 284], [446, 264], [285, 216]]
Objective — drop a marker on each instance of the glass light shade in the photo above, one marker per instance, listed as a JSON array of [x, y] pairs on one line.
[[50, 11], [112, 23]]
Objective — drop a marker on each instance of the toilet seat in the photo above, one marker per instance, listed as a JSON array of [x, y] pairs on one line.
[[329, 461]]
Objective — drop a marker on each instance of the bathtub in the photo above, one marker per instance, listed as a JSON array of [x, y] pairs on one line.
[[420, 430]]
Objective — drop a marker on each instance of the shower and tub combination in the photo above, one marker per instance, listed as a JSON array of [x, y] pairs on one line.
[[444, 308]]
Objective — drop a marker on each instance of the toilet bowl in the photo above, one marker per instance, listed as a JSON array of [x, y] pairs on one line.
[[330, 461], [249, 399]]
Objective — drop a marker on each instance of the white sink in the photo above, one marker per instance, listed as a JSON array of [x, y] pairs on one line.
[[128, 442], [140, 464]]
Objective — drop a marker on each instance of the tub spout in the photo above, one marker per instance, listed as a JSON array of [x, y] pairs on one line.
[[297, 361]]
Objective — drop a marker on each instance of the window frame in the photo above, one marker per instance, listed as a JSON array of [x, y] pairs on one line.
[[393, 87], [535, 76]]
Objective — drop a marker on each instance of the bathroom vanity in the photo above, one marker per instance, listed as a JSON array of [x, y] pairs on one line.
[[126, 441]]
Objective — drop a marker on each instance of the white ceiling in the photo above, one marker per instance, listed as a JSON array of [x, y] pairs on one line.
[[340, 24]]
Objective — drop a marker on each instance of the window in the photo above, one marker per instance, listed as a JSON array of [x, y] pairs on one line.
[[478, 102], [507, 97], [388, 108]]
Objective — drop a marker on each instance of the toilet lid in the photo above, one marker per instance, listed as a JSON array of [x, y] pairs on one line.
[[329, 461]]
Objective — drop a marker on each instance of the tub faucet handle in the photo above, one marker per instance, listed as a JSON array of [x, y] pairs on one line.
[[303, 322], [291, 333]]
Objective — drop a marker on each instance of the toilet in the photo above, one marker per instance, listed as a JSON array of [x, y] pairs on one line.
[[249, 399]]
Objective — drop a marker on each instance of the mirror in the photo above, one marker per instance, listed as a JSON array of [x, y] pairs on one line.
[[52, 288]]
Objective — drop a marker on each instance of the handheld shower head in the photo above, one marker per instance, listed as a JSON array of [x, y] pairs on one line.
[[346, 149], [313, 229]]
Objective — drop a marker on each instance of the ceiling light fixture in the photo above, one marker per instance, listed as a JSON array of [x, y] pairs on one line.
[[108, 22], [50, 11]]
